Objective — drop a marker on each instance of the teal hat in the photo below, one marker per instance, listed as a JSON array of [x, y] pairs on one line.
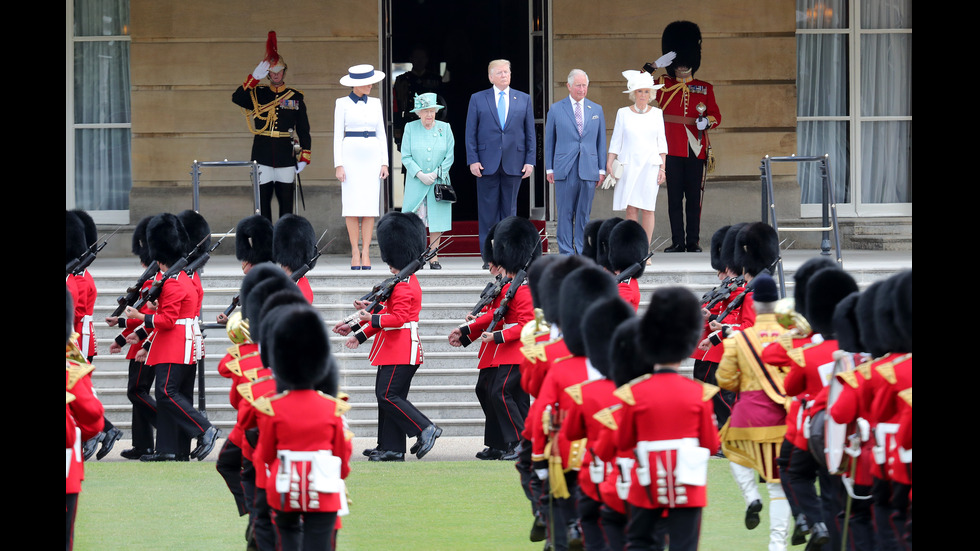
[[426, 101]]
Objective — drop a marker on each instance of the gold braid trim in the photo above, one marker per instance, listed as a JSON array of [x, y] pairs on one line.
[[708, 391], [887, 370], [69, 397], [906, 395], [575, 391], [755, 447], [606, 418], [77, 370], [266, 112]]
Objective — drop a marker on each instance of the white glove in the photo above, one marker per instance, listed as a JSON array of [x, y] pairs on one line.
[[702, 123], [300, 166], [261, 70], [427, 179], [664, 60], [609, 181], [542, 474]]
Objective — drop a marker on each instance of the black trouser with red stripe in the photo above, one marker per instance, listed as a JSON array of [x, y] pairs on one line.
[[177, 419], [397, 417], [510, 403], [144, 405], [684, 176], [492, 437]]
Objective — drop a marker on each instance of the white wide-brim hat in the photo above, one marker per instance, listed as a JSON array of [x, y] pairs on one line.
[[360, 75], [637, 80]]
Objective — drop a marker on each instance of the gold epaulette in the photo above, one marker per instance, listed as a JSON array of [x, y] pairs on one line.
[[708, 391], [348, 435], [887, 370], [606, 418], [340, 407], [849, 378], [245, 389], [72, 352], [263, 405], [625, 392], [252, 374], [76, 370], [232, 366], [865, 369], [233, 351], [906, 395], [786, 340], [69, 397], [575, 391]]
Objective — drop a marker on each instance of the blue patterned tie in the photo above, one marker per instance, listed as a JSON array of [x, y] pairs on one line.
[[501, 110], [579, 123]]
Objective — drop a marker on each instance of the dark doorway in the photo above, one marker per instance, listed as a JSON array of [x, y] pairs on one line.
[[457, 40]]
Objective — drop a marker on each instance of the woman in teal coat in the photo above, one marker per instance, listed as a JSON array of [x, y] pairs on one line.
[[427, 154]]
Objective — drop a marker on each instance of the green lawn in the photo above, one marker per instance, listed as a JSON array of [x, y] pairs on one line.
[[418, 505]]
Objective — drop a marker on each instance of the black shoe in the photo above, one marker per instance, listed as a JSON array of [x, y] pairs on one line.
[[108, 442], [368, 452], [511, 454], [90, 445], [134, 453], [693, 248], [387, 456], [435, 265], [155, 457], [489, 453], [752, 514], [538, 530], [486, 266], [819, 536], [205, 443], [426, 440], [676, 248], [574, 538], [800, 531]]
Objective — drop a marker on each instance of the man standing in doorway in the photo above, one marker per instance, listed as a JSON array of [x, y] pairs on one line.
[[575, 159], [500, 145]]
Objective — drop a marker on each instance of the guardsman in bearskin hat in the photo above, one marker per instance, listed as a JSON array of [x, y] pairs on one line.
[[690, 111], [276, 116], [198, 232], [302, 438], [172, 353], [253, 245], [668, 423], [628, 245], [293, 246], [397, 349], [590, 237], [602, 241]]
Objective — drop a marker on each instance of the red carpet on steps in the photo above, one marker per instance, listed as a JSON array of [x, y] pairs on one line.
[[466, 238]]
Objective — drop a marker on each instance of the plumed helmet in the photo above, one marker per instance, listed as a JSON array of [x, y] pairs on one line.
[[627, 245], [300, 348], [253, 239], [515, 241], [824, 291], [684, 38], [276, 62], [197, 229], [401, 238], [671, 327], [580, 289], [293, 241], [717, 240], [626, 360], [140, 247], [599, 320], [728, 248], [602, 241], [802, 276], [74, 237], [756, 247], [845, 322], [590, 239], [166, 238], [551, 280]]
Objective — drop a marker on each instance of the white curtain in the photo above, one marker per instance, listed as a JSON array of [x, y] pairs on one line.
[[103, 175]]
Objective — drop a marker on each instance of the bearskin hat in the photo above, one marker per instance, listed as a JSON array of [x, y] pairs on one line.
[[756, 247], [717, 240], [293, 241], [728, 256], [267, 317], [253, 239], [626, 362], [197, 229], [69, 315], [535, 275], [401, 238], [580, 289], [330, 383], [903, 306], [166, 238], [886, 320], [590, 239], [258, 274], [607, 314], [866, 321], [802, 276], [627, 245], [551, 280], [74, 237], [487, 253], [824, 291], [140, 248], [846, 324], [91, 231], [300, 347], [683, 38], [602, 241], [258, 296], [515, 242], [671, 327]]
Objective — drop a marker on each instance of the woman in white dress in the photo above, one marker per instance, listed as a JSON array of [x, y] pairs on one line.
[[360, 152], [640, 144]]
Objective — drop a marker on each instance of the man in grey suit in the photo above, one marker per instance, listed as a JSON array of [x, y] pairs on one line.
[[500, 145], [575, 159]]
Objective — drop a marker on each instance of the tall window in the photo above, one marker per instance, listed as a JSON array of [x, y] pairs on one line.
[[854, 102], [98, 174]]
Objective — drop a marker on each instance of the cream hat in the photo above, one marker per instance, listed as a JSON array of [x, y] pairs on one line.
[[636, 80], [360, 75]]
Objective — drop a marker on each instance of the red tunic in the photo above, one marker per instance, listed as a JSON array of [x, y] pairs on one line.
[[592, 396], [305, 288], [83, 420], [678, 99], [564, 372], [507, 333], [173, 322], [396, 326], [630, 291]]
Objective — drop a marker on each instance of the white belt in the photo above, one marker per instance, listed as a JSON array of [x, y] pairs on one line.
[[413, 326], [87, 335], [663, 445], [188, 324], [408, 325]]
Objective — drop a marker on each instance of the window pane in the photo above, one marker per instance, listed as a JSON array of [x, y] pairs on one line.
[[821, 79], [815, 138], [886, 162], [101, 17], [821, 14], [102, 82], [102, 169], [886, 75], [886, 14]]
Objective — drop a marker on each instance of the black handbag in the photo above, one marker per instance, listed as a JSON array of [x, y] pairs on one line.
[[444, 190]]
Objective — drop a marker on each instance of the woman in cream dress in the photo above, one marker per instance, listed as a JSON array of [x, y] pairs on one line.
[[360, 152], [640, 144]]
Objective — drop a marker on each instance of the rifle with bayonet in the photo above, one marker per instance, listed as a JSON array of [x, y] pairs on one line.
[[85, 260], [195, 263], [490, 293], [519, 277], [133, 293], [634, 269], [154, 291], [722, 292], [298, 274]]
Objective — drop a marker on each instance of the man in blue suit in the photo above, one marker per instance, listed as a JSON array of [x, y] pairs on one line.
[[575, 159], [500, 146]]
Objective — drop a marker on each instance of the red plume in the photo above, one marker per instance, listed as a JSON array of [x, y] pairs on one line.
[[271, 48]]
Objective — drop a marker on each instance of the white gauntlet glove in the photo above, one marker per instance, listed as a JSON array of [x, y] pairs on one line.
[[261, 70]]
